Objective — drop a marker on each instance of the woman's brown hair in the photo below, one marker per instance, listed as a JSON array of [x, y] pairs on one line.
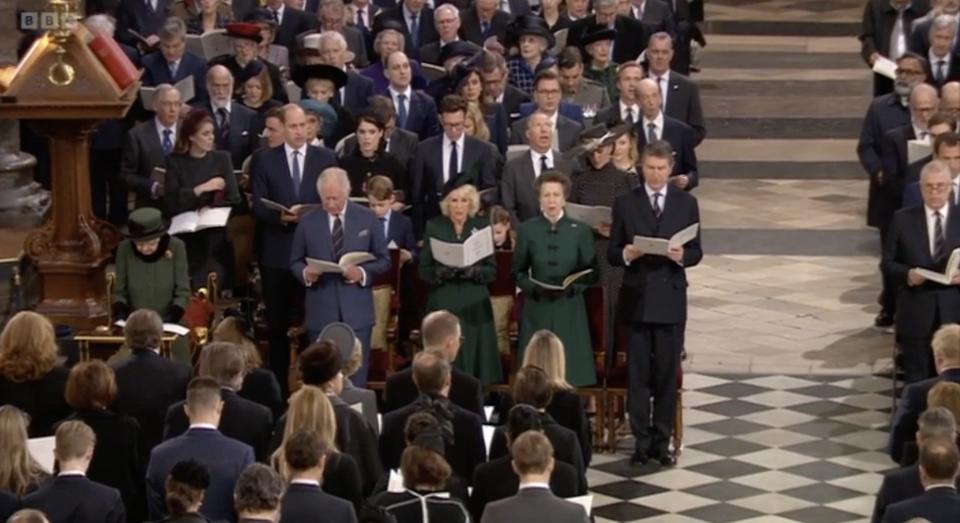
[[189, 127], [422, 467], [91, 385], [28, 347]]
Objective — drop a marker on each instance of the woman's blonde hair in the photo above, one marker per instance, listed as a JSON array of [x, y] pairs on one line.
[[18, 470], [545, 351], [475, 115], [229, 330], [309, 410], [352, 365], [28, 347], [631, 148], [469, 192], [945, 394]]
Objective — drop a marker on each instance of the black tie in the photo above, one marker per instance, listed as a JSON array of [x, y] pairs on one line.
[[651, 132], [629, 119], [360, 23], [657, 210], [454, 165], [337, 237], [939, 242], [224, 123], [276, 16], [940, 71], [543, 164]]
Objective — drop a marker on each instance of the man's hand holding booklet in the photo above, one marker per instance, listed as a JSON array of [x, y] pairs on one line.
[[662, 246]]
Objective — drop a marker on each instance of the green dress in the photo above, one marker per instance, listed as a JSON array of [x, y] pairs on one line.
[[468, 300], [606, 77], [551, 253]]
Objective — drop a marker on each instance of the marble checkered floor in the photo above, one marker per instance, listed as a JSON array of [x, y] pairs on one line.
[[759, 449]]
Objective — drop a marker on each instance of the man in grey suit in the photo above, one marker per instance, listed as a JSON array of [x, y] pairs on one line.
[[579, 90], [681, 97], [148, 145], [547, 95], [532, 460], [656, 13], [517, 193]]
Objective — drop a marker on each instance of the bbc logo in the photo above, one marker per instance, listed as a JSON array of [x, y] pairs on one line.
[[37, 20]]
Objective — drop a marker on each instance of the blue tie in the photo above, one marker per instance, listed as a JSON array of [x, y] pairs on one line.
[[485, 28], [295, 171], [402, 110], [167, 144], [415, 31]]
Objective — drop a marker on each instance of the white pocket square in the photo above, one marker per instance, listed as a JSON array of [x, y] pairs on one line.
[[363, 233], [244, 133]]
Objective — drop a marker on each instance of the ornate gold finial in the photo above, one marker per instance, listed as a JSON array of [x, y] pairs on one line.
[[62, 73]]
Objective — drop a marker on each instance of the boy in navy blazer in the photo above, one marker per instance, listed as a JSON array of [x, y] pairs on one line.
[[304, 500]]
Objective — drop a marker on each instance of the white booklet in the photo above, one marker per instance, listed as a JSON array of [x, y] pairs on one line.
[[477, 247], [41, 449], [347, 260], [185, 87], [568, 281], [918, 150], [945, 277], [592, 215], [172, 328], [300, 208], [193, 221], [884, 66], [210, 45], [651, 245], [584, 501]]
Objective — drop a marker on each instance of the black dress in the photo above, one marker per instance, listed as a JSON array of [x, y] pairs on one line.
[[406, 507], [42, 399], [341, 478], [207, 250], [359, 168], [261, 386]]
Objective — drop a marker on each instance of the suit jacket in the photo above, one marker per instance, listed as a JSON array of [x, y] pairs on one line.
[[683, 103], [142, 152], [952, 70], [512, 99], [680, 136], [224, 457], [472, 31], [8, 505], [242, 420], [464, 454], [898, 485], [430, 53], [907, 247], [271, 179], [590, 93], [570, 110], [156, 72], [918, 40], [656, 13], [133, 15], [148, 405], [568, 131], [43, 399], [358, 91], [427, 32], [427, 184], [937, 504], [630, 41], [879, 18], [886, 112], [534, 505], [654, 287], [400, 232], [466, 391], [76, 499], [367, 399], [330, 298], [566, 447], [422, 117], [243, 135], [913, 401], [496, 480], [518, 193], [305, 503], [293, 23]]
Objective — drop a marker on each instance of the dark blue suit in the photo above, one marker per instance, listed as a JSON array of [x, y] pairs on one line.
[[77, 499], [427, 31], [305, 503], [911, 195], [156, 72], [421, 115], [898, 485], [400, 232], [937, 504], [134, 15], [680, 136], [330, 298], [224, 457], [358, 91], [571, 111], [886, 112], [913, 401]]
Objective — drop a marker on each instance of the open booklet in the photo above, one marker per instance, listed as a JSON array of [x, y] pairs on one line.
[[172, 328], [41, 450], [210, 45], [584, 501], [918, 150], [945, 277], [568, 281], [884, 66], [592, 215], [347, 260], [193, 221], [300, 208], [185, 87], [477, 247], [651, 245]]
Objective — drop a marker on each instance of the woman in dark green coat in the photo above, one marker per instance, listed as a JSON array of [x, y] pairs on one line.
[[463, 291], [550, 248]]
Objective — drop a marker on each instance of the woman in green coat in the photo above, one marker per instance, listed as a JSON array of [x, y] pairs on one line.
[[463, 291], [550, 248]]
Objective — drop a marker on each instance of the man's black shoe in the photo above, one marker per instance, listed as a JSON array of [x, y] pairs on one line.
[[884, 319], [639, 457], [668, 460]]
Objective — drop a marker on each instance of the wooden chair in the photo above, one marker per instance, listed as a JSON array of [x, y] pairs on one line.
[[594, 298], [383, 360]]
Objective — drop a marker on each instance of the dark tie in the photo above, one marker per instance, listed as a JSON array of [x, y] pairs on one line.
[[629, 118], [454, 164], [276, 15], [337, 237], [402, 111], [383, 222], [295, 172], [173, 70], [360, 23], [939, 242], [150, 7], [651, 132], [543, 163], [485, 28], [224, 119], [660, 88], [657, 210], [415, 31], [167, 143], [940, 70]]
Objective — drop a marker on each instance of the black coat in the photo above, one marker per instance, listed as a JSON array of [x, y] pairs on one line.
[[898, 485], [630, 41], [939, 504], [877, 24], [566, 448], [360, 169], [76, 499], [496, 480], [133, 15], [261, 386], [566, 409], [885, 113], [404, 509], [8, 505], [42, 399], [242, 420], [471, 30], [466, 391], [305, 504], [681, 137], [913, 401], [293, 23]]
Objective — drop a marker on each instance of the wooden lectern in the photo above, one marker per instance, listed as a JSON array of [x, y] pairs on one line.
[[63, 90]]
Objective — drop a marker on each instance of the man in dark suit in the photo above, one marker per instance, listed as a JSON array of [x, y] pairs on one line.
[[904, 483], [147, 146], [946, 148], [880, 18], [431, 373], [304, 500], [654, 126], [416, 111], [939, 461], [547, 95], [224, 457], [236, 128], [241, 419], [440, 333], [631, 38], [171, 63], [913, 399], [654, 297], [923, 237], [532, 460], [571, 111], [341, 227], [145, 17], [482, 21], [493, 74], [401, 143], [71, 497], [919, 37], [517, 192], [654, 13], [355, 95], [286, 175], [943, 63], [290, 23], [417, 24], [444, 158], [680, 96], [627, 107], [148, 405], [447, 20], [332, 17]]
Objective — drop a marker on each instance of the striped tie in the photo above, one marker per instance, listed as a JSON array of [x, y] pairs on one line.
[[337, 236]]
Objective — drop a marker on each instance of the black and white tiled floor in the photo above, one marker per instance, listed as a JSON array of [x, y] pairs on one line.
[[770, 449]]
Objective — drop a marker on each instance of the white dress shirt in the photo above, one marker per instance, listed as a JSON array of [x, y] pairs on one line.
[[661, 201], [955, 187], [931, 224], [446, 156], [303, 481], [535, 158], [638, 10], [160, 128], [658, 122], [626, 109], [534, 484], [407, 15], [301, 159], [206, 426], [933, 59]]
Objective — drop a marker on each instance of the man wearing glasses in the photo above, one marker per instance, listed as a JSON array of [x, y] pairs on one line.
[[547, 96]]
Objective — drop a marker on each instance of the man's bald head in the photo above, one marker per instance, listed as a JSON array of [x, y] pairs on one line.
[[950, 98], [649, 97], [219, 85], [923, 103]]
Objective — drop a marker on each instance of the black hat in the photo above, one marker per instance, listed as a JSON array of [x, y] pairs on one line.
[[244, 30], [303, 73], [468, 177], [596, 136], [383, 25], [460, 73], [597, 33], [260, 16], [457, 48], [341, 335], [320, 363], [145, 224], [251, 70], [531, 25]]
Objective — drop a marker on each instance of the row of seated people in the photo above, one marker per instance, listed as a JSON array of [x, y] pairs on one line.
[[144, 431]]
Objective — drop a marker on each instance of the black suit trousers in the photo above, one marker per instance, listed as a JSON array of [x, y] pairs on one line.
[[918, 355], [279, 291], [108, 189], [653, 353], [888, 291]]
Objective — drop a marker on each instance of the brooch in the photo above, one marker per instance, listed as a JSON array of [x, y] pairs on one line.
[[168, 254]]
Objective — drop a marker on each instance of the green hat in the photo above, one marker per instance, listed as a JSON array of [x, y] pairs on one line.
[[145, 224]]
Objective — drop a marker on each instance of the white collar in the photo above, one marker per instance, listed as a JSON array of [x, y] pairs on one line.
[[928, 488], [72, 473], [279, 10], [634, 106], [209, 426], [225, 106], [456, 38], [408, 14], [934, 58], [289, 150], [665, 76], [447, 141], [386, 218], [300, 481], [658, 121], [534, 484], [943, 211], [406, 92], [161, 127], [317, 142], [535, 156], [650, 192]]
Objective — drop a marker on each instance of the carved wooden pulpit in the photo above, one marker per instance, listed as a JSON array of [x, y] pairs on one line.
[[63, 89]]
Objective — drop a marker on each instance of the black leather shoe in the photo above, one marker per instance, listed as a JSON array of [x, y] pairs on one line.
[[668, 460], [639, 457], [884, 319]]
